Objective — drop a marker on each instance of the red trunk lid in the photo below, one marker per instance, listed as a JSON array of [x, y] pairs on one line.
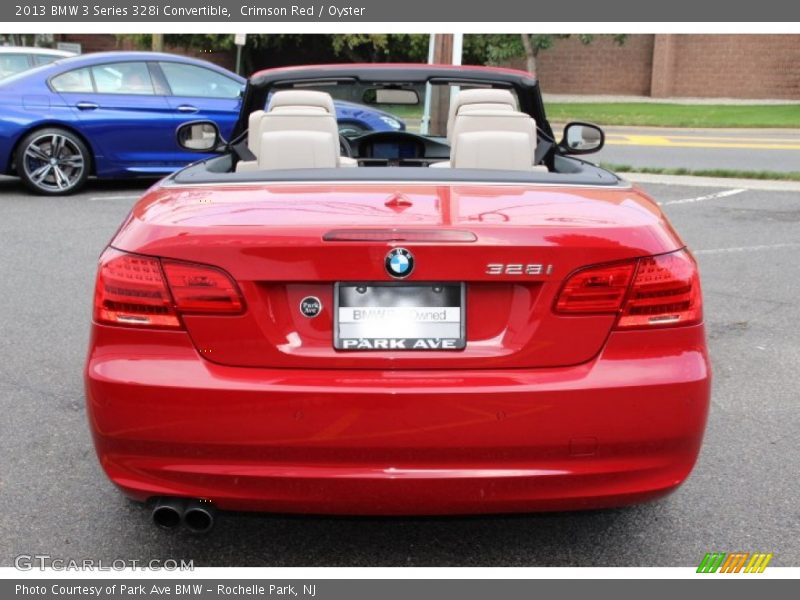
[[270, 238]]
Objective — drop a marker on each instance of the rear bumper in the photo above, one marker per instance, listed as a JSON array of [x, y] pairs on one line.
[[623, 428]]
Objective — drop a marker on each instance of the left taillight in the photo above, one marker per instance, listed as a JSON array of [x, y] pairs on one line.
[[142, 291]]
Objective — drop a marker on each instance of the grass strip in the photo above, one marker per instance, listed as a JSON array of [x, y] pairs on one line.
[[677, 115]]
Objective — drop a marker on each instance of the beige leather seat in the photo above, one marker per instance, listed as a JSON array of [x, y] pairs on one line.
[[493, 139], [294, 111], [479, 99], [294, 128], [288, 100], [508, 150], [297, 150], [301, 99]]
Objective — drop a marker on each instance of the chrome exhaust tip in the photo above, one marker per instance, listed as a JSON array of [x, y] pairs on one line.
[[199, 516], [168, 512]]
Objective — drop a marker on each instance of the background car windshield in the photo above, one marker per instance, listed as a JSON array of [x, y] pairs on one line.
[[45, 59], [12, 63], [189, 80]]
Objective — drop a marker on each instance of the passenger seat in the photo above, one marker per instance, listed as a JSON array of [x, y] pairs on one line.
[[297, 150], [299, 130], [292, 99], [293, 138], [479, 99]]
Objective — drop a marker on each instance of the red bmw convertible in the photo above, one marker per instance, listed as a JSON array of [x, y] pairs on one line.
[[463, 317]]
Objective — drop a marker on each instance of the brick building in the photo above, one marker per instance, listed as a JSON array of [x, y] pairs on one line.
[[675, 65]]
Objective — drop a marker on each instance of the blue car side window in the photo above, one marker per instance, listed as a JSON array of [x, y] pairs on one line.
[[199, 82], [123, 78], [78, 81]]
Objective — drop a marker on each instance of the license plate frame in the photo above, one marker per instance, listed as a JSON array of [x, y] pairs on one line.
[[453, 295]]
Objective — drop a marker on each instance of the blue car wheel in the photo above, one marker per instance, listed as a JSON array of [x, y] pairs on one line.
[[53, 162]]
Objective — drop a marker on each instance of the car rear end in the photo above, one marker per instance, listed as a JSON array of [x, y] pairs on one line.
[[386, 349]]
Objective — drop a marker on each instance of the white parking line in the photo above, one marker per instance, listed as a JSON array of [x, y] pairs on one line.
[[748, 248], [768, 185], [714, 196], [101, 198]]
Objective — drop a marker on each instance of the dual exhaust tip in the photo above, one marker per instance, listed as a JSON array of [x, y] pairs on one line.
[[197, 516]]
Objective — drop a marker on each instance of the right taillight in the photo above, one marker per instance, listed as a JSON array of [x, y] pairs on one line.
[[665, 291], [142, 291], [655, 291]]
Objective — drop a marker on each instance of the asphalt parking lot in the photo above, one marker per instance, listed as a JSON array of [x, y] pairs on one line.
[[742, 496]]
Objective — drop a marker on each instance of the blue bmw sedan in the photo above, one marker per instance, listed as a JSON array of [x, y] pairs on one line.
[[114, 115]]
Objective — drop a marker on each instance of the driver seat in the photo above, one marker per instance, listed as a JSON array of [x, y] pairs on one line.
[[479, 99]]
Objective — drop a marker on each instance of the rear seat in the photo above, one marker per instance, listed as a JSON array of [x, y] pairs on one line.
[[508, 150], [290, 99], [492, 139], [479, 99], [297, 150], [299, 130]]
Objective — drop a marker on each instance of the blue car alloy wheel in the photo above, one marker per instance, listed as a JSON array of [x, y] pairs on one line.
[[52, 161]]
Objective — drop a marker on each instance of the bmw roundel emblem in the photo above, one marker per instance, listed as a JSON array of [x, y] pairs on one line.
[[399, 263]]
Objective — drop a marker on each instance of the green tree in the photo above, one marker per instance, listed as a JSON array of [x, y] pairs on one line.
[[499, 48], [283, 49], [272, 49], [381, 47]]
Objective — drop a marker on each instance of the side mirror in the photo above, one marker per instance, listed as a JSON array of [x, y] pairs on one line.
[[200, 136], [581, 138]]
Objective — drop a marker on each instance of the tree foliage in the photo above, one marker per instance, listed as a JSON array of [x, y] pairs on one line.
[[494, 49], [272, 49]]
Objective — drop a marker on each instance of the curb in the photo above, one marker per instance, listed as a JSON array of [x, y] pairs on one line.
[[614, 99], [724, 182]]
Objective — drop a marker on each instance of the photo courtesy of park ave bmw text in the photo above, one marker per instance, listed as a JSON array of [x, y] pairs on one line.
[[375, 285]]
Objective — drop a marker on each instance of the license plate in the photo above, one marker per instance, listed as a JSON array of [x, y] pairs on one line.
[[399, 316]]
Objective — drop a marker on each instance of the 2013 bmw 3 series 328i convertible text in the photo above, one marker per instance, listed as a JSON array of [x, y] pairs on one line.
[[462, 317]]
